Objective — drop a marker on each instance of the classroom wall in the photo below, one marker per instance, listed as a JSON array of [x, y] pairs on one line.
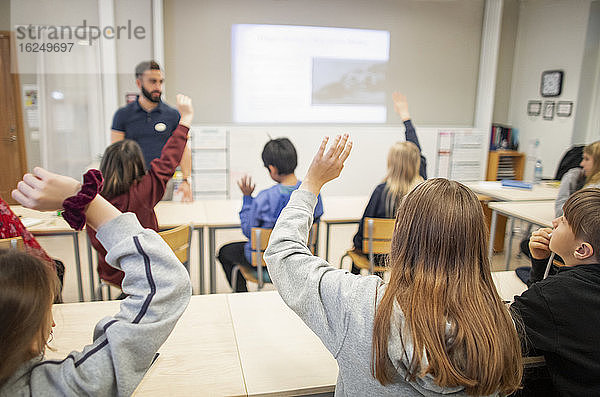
[[434, 49], [587, 120], [506, 57], [130, 53], [551, 35], [5, 15]]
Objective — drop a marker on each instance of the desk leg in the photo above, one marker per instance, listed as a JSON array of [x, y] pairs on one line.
[[327, 225], [201, 258], [78, 264], [91, 269], [511, 232], [492, 236], [212, 259]]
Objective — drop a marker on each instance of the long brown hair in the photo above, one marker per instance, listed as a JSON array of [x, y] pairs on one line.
[[403, 163], [27, 289], [440, 274], [593, 150], [122, 164]]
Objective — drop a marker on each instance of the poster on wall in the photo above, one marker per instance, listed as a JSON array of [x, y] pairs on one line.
[[548, 110], [30, 103]]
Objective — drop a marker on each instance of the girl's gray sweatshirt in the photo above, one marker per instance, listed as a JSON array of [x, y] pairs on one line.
[[339, 307], [124, 345]]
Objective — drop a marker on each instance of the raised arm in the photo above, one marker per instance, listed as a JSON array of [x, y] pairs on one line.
[[156, 282], [320, 294], [401, 107], [162, 169]]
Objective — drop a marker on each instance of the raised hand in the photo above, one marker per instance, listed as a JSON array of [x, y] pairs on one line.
[[401, 105], [44, 190], [327, 166], [246, 185], [184, 106], [539, 243]]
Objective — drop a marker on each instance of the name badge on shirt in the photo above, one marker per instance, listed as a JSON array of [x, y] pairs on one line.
[[160, 127]]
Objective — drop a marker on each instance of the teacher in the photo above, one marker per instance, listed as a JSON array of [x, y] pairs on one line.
[[150, 122]]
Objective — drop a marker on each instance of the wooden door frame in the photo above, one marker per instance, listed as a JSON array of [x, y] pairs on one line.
[[16, 87]]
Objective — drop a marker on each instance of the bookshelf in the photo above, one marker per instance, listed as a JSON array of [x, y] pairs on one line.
[[505, 164]]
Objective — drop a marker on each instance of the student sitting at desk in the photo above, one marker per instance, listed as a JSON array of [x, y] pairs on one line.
[[132, 188], [123, 345], [561, 314], [11, 226], [406, 167], [572, 181], [578, 178], [437, 328], [280, 159]]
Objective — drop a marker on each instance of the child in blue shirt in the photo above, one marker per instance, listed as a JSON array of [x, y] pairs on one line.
[[280, 158]]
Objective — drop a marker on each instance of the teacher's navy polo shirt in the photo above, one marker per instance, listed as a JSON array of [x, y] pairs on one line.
[[150, 130]]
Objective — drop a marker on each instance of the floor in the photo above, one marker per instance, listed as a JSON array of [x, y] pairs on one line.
[[340, 241]]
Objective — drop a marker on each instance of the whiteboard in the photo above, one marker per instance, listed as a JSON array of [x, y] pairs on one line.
[[364, 169]]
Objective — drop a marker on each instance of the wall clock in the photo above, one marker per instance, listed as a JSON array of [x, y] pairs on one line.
[[552, 81]]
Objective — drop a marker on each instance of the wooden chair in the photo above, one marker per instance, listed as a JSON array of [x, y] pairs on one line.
[[259, 240], [377, 239], [12, 243], [180, 239]]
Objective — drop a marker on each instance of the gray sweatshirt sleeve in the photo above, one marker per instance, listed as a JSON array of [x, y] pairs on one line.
[[124, 345], [321, 295], [569, 184]]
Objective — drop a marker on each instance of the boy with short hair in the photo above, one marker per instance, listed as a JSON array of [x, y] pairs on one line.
[[561, 314], [280, 159]]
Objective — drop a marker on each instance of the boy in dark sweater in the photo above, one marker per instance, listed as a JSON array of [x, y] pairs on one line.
[[560, 315]]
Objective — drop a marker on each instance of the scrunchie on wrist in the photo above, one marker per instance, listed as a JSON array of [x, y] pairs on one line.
[[74, 206]]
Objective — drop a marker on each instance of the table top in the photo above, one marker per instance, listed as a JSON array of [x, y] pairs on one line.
[[508, 284], [199, 355], [223, 213], [498, 192], [229, 345], [279, 354], [51, 222], [172, 214], [344, 208], [537, 212]]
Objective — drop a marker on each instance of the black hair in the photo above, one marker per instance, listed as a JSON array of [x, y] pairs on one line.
[[145, 65], [122, 164], [281, 154]]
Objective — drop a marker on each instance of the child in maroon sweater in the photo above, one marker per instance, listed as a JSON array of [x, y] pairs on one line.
[[130, 188]]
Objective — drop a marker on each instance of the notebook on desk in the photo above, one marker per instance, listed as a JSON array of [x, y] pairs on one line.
[[29, 222]]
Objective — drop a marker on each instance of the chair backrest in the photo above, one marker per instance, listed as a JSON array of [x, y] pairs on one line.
[[259, 240], [12, 243], [179, 240], [377, 235]]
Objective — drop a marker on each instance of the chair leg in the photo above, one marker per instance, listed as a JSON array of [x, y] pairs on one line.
[[259, 270], [234, 276]]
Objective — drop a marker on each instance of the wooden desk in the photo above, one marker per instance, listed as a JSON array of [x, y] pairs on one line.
[[199, 357], [279, 354], [220, 214], [54, 225], [508, 284], [340, 210], [498, 192], [172, 214], [539, 213], [229, 345]]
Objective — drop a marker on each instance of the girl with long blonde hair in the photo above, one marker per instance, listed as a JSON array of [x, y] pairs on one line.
[[578, 178], [437, 328], [406, 168]]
